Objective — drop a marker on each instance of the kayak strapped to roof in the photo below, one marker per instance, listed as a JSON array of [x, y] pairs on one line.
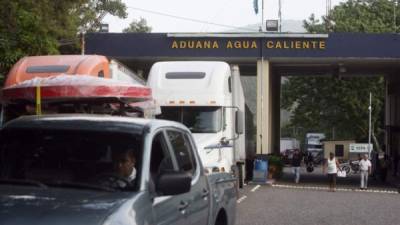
[[77, 94], [70, 87]]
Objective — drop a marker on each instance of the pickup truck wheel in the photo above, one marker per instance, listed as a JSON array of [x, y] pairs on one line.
[[221, 218]]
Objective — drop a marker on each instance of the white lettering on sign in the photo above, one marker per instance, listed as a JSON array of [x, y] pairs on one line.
[[360, 148]]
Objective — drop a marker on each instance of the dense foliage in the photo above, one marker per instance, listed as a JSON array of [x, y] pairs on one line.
[[138, 27], [338, 106], [41, 27]]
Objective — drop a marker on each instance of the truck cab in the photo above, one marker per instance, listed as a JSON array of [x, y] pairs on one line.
[[208, 98], [315, 147]]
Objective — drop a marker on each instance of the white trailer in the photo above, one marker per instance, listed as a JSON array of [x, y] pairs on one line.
[[289, 144], [314, 142], [207, 97]]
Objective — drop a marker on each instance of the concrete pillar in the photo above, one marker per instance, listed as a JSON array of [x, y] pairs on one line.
[[264, 108], [276, 110], [387, 116], [392, 113]]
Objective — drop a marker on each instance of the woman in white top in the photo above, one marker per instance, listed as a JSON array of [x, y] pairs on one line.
[[332, 165]]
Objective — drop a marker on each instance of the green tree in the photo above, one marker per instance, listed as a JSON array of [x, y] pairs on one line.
[[138, 27], [91, 12], [365, 16], [43, 27], [340, 106], [314, 25], [332, 105]]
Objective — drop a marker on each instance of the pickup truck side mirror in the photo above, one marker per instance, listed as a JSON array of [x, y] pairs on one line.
[[173, 183], [239, 122]]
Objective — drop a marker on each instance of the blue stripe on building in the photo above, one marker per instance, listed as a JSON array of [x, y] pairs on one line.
[[339, 45]]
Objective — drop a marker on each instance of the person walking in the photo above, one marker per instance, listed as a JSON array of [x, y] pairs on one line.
[[365, 171], [309, 161], [332, 166], [384, 168], [296, 162]]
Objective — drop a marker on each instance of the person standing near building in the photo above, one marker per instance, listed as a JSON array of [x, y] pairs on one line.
[[395, 164], [332, 166], [365, 171], [296, 162], [384, 168]]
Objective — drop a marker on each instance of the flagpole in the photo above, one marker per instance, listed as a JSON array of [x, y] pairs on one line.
[[262, 16], [369, 124], [280, 16]]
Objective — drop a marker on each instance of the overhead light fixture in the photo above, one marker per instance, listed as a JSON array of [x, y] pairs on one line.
[[104, 27], [272, 25]]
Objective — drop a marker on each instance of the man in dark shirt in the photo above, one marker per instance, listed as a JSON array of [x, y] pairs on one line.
[[296, 162]]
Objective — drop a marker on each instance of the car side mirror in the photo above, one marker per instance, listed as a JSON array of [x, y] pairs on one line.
[[173, 183], [239, 122]]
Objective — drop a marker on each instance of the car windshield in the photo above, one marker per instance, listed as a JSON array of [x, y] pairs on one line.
[[197, 119], [70, 159]]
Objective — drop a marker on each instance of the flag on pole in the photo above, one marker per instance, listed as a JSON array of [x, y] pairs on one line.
[[255, 5]]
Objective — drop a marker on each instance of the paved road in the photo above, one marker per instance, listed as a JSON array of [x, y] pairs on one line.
[[317, 178], [294, 206]]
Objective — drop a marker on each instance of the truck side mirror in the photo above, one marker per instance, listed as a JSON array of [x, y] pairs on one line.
[[239, 122], [173, 183]]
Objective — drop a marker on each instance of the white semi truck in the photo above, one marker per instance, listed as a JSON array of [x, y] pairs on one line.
[[315, 147], [314, 142], [207, 97]]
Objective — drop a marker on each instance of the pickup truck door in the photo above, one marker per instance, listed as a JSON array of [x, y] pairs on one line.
[[166, 209], [198, 199]]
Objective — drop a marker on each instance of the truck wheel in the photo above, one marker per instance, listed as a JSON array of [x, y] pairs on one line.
[[241, 175], [237, 172]]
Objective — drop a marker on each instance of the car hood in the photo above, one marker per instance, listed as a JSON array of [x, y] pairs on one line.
[[23, 205]]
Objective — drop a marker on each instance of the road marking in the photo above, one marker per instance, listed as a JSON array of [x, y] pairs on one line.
[[255, 188], [337, 189], [241, 199]]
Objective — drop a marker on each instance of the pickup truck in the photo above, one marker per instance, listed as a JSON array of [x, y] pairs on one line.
[[60, 169]]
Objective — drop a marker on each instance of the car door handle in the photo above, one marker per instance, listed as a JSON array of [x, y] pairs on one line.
[[205, 193], [183, 205]]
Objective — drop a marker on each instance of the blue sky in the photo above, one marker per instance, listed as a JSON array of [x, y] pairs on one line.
[[232, 13]]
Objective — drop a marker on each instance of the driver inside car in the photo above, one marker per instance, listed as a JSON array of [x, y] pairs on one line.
[[124, 162]]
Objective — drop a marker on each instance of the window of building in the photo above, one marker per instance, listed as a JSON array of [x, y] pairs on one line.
[[339, 150]]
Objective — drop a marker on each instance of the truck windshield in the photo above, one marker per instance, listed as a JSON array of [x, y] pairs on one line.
[[70, 159], [198, 119], [314, 146]]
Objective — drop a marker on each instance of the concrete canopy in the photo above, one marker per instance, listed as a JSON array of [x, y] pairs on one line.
[[338, 54], [291, 53]]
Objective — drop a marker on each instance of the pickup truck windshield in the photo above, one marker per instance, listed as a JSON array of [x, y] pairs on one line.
[[197, 118], [70, 159]]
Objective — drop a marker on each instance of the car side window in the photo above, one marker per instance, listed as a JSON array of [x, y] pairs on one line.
[[183, 151], [160, 159]]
